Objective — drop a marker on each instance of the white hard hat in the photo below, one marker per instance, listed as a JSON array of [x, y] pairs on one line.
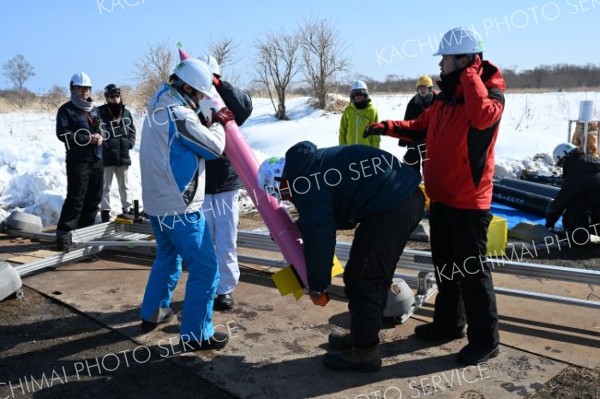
[[400, 300], [212, 64], [359, 85], [195, 73], [561, 151], [460, 41], [269, 175], [80, 79]]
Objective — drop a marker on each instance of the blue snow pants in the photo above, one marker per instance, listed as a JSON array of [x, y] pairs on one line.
[[183, 237]]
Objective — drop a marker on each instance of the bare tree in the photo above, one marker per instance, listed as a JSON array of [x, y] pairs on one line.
[[54, 98], [18, 71], [153, 68], [224, 51], [276, 67], [323, 54]]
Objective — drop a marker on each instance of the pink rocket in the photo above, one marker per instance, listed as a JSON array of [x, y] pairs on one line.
[[284, 231]]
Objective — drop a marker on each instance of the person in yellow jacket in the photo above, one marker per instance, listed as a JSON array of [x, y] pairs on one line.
[[357, 116]]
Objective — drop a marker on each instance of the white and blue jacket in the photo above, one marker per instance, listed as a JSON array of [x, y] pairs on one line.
[[174, 147]]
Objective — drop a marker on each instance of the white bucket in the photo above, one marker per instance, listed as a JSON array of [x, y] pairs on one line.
[[586, 110], [10, 281]]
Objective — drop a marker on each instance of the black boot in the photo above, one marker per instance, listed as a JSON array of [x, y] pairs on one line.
[[472, 355], [431, 331], [105, 216], [161, 316], [191, 344], [223, 302], [341, 341], [354, 359]]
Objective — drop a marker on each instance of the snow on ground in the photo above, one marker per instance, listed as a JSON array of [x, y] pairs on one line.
[[32, 170]]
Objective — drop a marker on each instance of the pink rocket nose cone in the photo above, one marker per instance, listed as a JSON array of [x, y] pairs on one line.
[[183, 55]]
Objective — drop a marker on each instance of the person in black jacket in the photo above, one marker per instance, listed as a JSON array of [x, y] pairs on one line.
[[118, 131], [78, 126], [338, 188], [221, 208], [420, 102], [578, 201]]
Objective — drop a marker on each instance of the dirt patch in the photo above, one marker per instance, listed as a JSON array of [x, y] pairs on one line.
[[572, 383], [49, 350]]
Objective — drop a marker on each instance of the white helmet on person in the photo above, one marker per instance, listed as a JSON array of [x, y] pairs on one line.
[[195, 73], [400, 300], [359, 85], [80, 79], [561, 151], [212, 64], [269, 176], [460, 41]]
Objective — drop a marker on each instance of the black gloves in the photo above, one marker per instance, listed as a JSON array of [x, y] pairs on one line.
[[375, 129]]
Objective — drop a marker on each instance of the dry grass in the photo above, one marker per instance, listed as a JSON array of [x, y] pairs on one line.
[[6, 106], [336, 103]]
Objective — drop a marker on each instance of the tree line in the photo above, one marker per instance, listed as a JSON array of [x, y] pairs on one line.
[[310, 60]]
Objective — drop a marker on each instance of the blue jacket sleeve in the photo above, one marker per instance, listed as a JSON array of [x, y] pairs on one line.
[[318, 235]]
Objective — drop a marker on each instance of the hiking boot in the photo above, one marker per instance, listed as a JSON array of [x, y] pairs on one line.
[[217, 341], [105, 216], [431, 331], [162, 315], [340, 341], [472, 354], [62, 240], [354, 359], [223, 302]]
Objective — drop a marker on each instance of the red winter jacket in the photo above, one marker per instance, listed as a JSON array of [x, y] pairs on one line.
[[460, 139]]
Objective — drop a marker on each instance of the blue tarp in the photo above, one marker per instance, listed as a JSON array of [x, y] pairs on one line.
[[515, 216]]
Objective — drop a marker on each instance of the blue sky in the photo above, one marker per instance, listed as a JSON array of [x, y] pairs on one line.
[[105, 37]]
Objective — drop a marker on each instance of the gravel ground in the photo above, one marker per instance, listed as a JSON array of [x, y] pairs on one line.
[[41, 338]]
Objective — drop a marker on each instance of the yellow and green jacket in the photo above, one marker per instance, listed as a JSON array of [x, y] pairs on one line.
[[353, 123]]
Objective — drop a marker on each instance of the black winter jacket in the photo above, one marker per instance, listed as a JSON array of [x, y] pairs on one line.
[[581, 179], [119, 134], [220, 174], [74, 127], [415, 107], [336, 188]]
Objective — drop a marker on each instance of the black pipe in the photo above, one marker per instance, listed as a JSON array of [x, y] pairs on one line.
[[530, 187], [521, 200]]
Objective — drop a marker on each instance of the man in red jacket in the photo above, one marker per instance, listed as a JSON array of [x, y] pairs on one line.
[[461, 129]]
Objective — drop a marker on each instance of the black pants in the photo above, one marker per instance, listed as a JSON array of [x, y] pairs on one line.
[[465, 286], [412, 157], [84, 193], [579, 217], [378, 243]]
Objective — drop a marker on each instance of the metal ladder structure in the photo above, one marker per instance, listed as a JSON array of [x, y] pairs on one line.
[[137, 238]]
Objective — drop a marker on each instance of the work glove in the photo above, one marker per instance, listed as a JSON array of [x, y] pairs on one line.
[[375, 129], [319, 298], [223, 116]]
